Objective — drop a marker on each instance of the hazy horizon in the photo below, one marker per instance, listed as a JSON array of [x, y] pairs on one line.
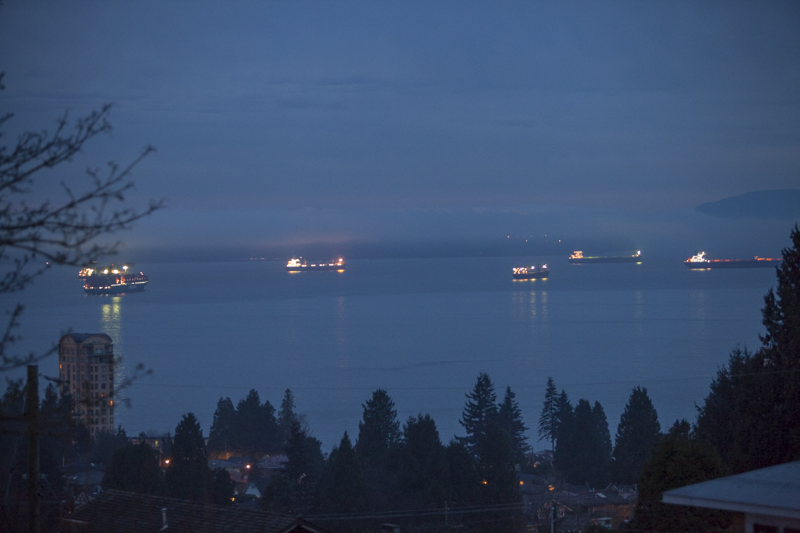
[[364, 126]]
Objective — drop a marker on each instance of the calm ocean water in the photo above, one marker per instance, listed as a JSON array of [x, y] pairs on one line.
[[420, 328]]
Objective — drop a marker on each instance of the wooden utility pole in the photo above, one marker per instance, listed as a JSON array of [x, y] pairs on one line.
[[32, 414]]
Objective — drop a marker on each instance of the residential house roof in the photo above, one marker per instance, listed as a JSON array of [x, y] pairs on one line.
[[772, 491]]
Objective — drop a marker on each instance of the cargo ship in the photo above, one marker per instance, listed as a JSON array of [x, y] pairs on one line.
[[113, 280], [530, 272], [301, 265], [577, 258], [699, 262]]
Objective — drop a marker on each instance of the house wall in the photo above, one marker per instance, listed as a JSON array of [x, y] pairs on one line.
[[754, 523]]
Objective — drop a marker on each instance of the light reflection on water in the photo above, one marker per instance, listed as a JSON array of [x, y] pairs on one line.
[[341, 338], [111, 323]]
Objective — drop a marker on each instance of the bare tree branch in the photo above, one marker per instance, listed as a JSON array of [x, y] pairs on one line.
[[34, 237]]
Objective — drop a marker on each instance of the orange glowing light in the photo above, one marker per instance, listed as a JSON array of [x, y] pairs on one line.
[[485, 482]]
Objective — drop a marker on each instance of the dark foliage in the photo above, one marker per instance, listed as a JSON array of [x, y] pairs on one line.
[[55, 447], [187, 476], [752, 413], [287, 416], [379, 430], [465, 480], [135, 468], [342, 488], [294, 490], [745, 416], [378, 443], [249, 429], [600, 469], [222, 486], [781, 312], [256, 430], [637, 433], [105, 444], [222, 434], [493, 442], [424, 476], [479, 410], [548, 420], [510, 420], [678, 460], [583, 448], [563, 413], [499, 482]]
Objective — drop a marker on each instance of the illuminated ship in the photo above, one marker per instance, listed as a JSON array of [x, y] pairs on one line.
[[530, 272], [577, 258], [301, 265], [699, 261], [113, 280], [87, 271]]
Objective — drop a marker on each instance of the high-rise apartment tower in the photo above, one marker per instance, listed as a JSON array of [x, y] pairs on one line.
[[86, 369]]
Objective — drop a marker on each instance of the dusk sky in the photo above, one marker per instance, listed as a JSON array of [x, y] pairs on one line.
[[280, 126]]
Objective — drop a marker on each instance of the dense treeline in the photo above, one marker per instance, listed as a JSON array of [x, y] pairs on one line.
[[583, 453], [393, 467], [749, 420]]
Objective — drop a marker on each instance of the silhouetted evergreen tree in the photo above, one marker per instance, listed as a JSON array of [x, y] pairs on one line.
[[287, 415], [499, 482], [510, 420], [222, 486], [134, 468], [637, 433], [548, 420], [222, 435], [294, 489], [342, 488], [187, 476], [678, 460], [479, 409], [379, 430], [752, 413], [378, 442], [490, 441], [106, 443], [600, 466], [257, 429], [781, 312], [465, 481], [583, 448], [565, 443], [423, 473], [563, 412]]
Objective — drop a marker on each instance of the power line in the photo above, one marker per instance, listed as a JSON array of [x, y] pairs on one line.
[[414, 513], [517, 387]]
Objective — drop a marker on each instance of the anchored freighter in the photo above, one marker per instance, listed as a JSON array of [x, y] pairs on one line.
[[699, 262], [301, 265]]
